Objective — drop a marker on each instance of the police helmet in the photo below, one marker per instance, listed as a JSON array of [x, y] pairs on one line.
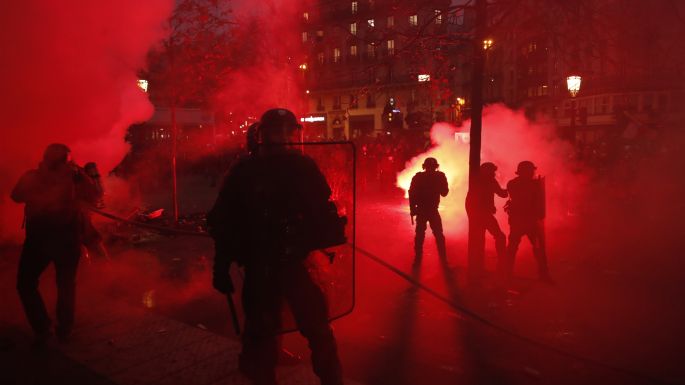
[[488, 167], [525, 167], [430, 164], [277, 118], [56, 153]]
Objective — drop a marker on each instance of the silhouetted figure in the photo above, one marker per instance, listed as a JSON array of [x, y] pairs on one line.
[[54, 227], [424, 198], [92, 239], [263, 220], [480, 207], [526, 209]]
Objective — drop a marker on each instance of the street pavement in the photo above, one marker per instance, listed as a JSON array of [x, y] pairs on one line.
[[152, 317]]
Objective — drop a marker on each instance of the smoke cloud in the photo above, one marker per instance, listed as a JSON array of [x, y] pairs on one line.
[[508, 138], [267, 52], [69, 75]]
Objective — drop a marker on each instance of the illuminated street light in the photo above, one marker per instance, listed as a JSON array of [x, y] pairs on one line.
[[303, 66], [573, 84], [142, 84], [487, 43], [461, 101]]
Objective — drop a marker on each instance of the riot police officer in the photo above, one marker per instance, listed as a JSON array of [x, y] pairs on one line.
[[53, 195], [261, 221], [424, 198], [480, 207], [526, 209]]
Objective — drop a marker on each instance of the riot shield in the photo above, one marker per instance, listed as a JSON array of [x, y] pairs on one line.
[[185, 251], [333, 269]]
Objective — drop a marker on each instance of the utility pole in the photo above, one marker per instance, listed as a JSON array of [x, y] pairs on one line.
[[476, 248]]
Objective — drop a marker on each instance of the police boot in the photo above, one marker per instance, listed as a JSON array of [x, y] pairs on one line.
[[442, 249], [418, 250], [256, 374]]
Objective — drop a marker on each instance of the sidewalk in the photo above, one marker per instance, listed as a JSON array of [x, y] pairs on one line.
[[133, 349]]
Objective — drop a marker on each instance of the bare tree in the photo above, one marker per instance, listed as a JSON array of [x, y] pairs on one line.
[[186, 68]]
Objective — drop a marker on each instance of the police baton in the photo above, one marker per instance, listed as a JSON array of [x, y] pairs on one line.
[[234, 313]]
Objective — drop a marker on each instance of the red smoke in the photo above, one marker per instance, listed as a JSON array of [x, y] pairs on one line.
[[266, 54], [508, 138], [69, 75]]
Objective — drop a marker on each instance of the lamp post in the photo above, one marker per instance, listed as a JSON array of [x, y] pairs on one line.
[[573, 86], [476, 243]]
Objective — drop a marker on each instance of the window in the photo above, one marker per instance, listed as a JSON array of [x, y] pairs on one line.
[[414, 20], [305, 15], [370, 50], [354, 101], [353, 28], [458, 18], [304, 37], [320, 57], [353, 50], [336, 55], [371, 23], [336, 102], [391, 21], [355, 7], [370, 100], [319, 33], [438, 16], [391, 47]]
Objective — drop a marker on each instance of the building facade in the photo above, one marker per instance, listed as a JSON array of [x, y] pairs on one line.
[[630, 76], [380, 66]]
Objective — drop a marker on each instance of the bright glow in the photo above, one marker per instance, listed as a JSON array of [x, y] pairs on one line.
[[461, 101], [510, 137], [312, 119], [487, 43], [142, 84], [573, 84], [306, 92], [303, 66], [424, 78], [451, 154], [462, 137]]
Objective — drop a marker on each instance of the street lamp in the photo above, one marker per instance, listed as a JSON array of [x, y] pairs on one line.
[[143, 84], [573, 84], [487, 43]]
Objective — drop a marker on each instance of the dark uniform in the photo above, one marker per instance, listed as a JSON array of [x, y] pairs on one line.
[[424, 198], [54, 226], [480, 207], [262, 221], [526, 210]]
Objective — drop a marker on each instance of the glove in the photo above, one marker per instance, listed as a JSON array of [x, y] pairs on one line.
[[223, 284]]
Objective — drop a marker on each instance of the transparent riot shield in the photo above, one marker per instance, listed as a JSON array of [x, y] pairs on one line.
[[333, 269], [184, 251]]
